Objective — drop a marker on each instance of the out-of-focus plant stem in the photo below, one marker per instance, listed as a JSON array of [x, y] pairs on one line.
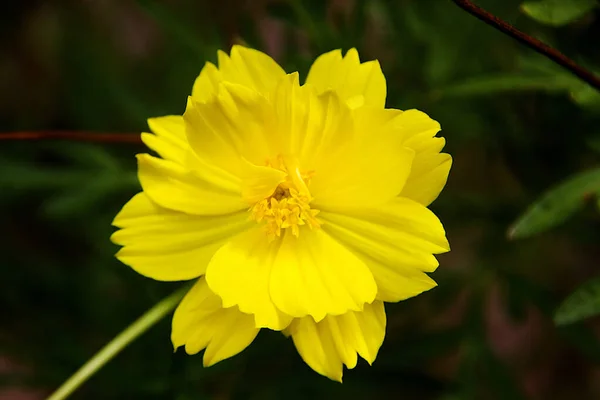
[[133, 331], [73, 135], [530, 42]]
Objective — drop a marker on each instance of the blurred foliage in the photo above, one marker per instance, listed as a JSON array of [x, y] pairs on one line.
[[558, 12], [583, 303], [557, 205], [515, 124]]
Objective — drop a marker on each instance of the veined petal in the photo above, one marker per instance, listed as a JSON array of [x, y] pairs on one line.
[[207, 83], [200, 322], [397, 283], [397, 241], [336, 340], [317, 349], [358, 84], [428, 177], [416, 128], [314, 275], [168, 245], [239, 273], [169, 139], [430, 168], [367, 183], [371, 171], [205, 191], [311, 127], [233, 125], [259, 182], [248, 67], [356, 155]]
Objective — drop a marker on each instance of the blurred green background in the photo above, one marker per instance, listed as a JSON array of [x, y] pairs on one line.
[[515, 124]]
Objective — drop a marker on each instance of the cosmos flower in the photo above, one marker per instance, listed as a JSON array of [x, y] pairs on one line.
[[296, 208]]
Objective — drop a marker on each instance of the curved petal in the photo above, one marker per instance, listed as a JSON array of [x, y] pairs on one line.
[[168, 245], [397, 241], [416, 128], [245, 66], [429, 176], [358, 84], [311, 127], [259, 182], [200, 322], [169, 139], [204, 191], [233, 125], [371, 171], [239, 273], [396, 283], [207, 83], [317, 349], [292, 277], [356, 156], [430, 168], [314, 275], [336, 340]]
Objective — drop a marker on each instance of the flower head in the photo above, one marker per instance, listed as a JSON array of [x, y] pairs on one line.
[[297, 208]]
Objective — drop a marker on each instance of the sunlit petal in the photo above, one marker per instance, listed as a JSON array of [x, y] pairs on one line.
[[200, 322]]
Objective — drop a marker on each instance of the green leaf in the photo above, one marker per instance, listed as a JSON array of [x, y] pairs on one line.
[[586, 96], [593, 142], [89, 155], [557, 12], [75, 201], [584, 302], [507, 82], [19, 176], [556, 205]]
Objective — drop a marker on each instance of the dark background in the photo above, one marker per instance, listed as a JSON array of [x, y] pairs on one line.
[[514, 123]]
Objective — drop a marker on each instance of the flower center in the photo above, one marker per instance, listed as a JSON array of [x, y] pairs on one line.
[[289, 205]]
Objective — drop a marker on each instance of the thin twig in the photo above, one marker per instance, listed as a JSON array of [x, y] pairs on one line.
[[530, 42], [73, 135]]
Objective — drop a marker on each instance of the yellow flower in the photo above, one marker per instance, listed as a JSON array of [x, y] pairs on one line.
[[297, 208]]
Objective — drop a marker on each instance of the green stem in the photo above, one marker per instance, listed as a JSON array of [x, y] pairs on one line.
[[133, 331]]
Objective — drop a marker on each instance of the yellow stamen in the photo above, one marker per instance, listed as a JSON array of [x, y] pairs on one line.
[[289, 205]]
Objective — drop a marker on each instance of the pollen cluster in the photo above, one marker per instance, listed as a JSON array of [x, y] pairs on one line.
[[289, 205]]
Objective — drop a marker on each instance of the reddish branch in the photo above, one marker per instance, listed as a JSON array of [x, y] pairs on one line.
[[530, 42], [466, 5], [73, 135]]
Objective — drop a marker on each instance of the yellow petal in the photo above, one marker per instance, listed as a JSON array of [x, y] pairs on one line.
[[314, 275], [239, 273], [207, 84], [430, 168], [206, 191], [201, 323], [168, 245], [336, 340], [259, 182], [313, 128], [248, 67], [429, 176], [416, 128], [234, 125], [371, 171], [317, 348], [355, 82], [169, 139], [396, 283], [397, 241], [356, 155]]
